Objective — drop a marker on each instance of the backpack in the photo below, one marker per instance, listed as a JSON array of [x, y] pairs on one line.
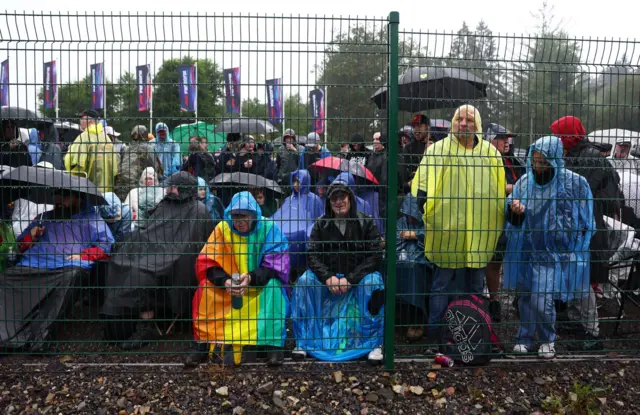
[[467, 334]]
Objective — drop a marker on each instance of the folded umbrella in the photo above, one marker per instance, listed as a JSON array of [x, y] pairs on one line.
[[335, 165], [245, 126], [427, 88], [39, 184]]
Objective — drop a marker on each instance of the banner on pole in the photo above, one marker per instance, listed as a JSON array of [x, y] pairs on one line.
[[187, 88], [4, 83], [232, 89], [143, 78], [317, 103], [50, 78], [97, 86], [274, 100]]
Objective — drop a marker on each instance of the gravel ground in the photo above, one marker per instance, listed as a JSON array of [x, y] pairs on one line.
[[59, 385]]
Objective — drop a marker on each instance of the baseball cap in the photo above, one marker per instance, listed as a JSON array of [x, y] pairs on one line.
[[289, 132], [420, 119], [110, 131], [496, 131], [312, 139], [89, 113]]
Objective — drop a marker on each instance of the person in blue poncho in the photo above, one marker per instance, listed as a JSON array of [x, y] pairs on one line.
[[35, 148], [167, 151], [117, 215], [58, 250], [337, 306], [213, 203], [550, 224], [413, 271], [296, 215]]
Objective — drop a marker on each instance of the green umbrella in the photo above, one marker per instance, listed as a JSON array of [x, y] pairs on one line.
[[183, 132]]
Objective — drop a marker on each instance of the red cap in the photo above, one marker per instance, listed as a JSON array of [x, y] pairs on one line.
[[420, 119]]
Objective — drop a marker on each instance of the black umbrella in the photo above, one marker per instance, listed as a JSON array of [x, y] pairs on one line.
[[39, 184], [427, 88], [245, 126], [24, 118], [68, 131], [240, 179]]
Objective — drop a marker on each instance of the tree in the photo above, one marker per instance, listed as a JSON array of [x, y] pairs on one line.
[[254, 108], [166, 107]]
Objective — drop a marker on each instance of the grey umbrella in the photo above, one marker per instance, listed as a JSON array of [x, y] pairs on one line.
[[245, 126], [39, 184], [23, 117], [427, 88], [241, 179]]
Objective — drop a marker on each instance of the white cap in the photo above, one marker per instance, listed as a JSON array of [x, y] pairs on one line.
[[45, 164], [110, 131], [24, 135]]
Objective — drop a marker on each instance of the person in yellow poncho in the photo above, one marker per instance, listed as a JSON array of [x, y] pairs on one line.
[[460, 185], [92, 153]]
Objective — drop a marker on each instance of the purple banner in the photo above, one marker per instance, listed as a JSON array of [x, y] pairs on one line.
[[274, 100], [317, 103], [97, 86], [143, 78], [187, 88], [232, 89], [50, 78], [4, 83]]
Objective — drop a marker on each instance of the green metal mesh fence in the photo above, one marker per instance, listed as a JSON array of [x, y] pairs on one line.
[[248, 188]]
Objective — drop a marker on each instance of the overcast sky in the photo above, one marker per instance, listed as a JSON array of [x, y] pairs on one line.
[[613, 19]]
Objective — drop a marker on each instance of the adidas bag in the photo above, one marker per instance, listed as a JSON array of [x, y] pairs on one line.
[[467, 333]]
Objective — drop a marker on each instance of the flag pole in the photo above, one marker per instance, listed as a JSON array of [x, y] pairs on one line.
[[196, 91], [326, 110], [104, 92], [56, 96], [150, 99]]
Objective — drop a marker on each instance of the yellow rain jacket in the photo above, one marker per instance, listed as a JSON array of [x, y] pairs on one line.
[[465, 195], [92, 153]]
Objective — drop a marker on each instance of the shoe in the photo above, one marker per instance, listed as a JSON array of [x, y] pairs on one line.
[[274, 358], [145, 333], [520, 349], [197, 355], [375, 356], [589, 343], [414, 334], [298, 354], [547, 351], [495, 310]]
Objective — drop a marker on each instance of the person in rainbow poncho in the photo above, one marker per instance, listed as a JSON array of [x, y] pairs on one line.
[[241, 300]]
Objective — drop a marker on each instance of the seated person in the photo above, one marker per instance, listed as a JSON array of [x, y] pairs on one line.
[[142, 200], [337, 304], [58, 249], [213, 204], [550, 223], [116, 215], [265, 200], [413, 272], [157, 258], [251, 312], [362, 205]]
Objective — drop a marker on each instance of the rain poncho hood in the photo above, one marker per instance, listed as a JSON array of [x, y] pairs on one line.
[[113, 208], [148, 172], [216, 209], [465, 192], [186, 183], [261, 320], [117, 215], [167, 151], [549, 250], [35, 149]]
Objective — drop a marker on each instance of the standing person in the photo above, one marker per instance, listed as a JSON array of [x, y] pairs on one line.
[[200, 162], [167, 151], [460, 186], [313, 151], [550, 225], [92, 153], [414, 150], [377, 164], [343, 152], [265, 151], [229, 162], [357, 150], [137, 156], [249, 160], [113, 135], [287, 159], [582, 158], [501, 138], [13, 152]]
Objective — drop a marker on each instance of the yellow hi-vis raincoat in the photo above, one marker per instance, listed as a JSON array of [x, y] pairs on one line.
[[92, 153], [465, 196]]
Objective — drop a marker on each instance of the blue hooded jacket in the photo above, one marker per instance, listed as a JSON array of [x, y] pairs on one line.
[[413, 249], [216, 209], [35, 148], [361, 204], [114, 208], [167, 151], [548, 249]]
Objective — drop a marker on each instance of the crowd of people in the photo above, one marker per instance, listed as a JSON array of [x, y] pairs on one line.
[[241, 260]]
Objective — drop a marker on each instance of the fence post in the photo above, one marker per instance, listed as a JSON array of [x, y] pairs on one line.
[[392, 189]]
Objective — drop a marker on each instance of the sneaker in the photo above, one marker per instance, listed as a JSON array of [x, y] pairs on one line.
[[520, 349], [495, 310], [298, 354], [547, 351], [145, 333], [197, 355], [376, 356]]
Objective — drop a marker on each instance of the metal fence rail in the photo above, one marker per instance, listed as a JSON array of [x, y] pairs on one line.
[[311, 116]]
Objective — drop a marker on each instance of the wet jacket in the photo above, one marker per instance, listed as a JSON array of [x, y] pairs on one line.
[[135, 157], [377, 164], [355, 254], [286, 163], [410, 158]]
